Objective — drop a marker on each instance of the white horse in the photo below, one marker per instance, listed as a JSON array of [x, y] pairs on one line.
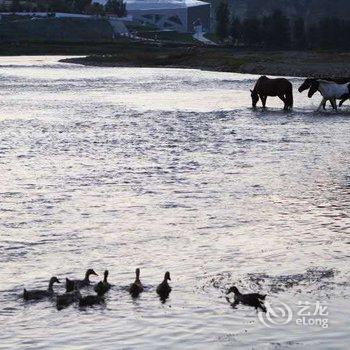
[[330, 91]]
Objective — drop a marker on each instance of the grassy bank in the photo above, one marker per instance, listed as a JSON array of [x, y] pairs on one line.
[[183, 57], [281, 63], [129, 53]]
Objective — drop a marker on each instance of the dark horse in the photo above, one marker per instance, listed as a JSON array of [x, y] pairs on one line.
[[280, 87]]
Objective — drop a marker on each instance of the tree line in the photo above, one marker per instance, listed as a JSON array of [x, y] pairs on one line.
[[114, 7], [276, 31]]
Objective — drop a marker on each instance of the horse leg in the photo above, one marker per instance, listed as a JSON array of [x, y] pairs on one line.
[[284, 101], [342, 101], [334, 104], [344, 98], [263, 100], [322, 104]]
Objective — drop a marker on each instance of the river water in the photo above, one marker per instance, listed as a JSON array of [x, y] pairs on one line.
[[170, 169]]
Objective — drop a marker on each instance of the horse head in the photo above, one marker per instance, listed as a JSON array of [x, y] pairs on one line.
[[255, 97], [313, 88], [306, 84]]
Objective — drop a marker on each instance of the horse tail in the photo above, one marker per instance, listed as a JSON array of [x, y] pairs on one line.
[[289, 98]]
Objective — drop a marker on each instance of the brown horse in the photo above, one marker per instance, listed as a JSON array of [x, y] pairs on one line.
[[280, 87]]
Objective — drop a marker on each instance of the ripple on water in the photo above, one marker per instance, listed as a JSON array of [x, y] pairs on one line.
[[167, 169]]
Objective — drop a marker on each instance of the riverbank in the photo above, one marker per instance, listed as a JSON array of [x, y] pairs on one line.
[[128, 53], [281, 63]]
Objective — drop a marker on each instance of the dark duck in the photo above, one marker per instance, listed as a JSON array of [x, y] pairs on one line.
[[103, 286], [253, 299], [163, 289], [66, 299], [41, 294], [71, 285], [91, 300], [136, 288]]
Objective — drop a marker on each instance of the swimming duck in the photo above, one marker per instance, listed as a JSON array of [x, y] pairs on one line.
[[67, 299], [163, 290], [253, 299], [136, 288], [91, 300], [40, 294], [78, 284], [103, 286]]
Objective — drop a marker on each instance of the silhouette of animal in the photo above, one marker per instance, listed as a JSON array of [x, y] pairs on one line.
[[279, 87], [71, 285], [330, 89], [163, 289], [136, 288], [103, 286], [68, 298], [253, 299], [41, 294], [91, 300]]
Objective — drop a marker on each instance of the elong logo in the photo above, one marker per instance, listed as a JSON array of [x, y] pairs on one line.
[[309, 314]]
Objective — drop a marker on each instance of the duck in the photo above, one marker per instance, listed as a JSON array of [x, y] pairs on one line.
[[78, 284], [67, 299], [41, 294], [163, 289], [91, 300], [136, 288], [252, 299], [103, 286]]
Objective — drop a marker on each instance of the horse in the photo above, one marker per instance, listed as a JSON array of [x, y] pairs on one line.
[[312, 83], [329, 91], [265, 87]]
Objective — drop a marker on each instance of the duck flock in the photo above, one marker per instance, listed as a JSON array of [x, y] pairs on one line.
[[73, 292]]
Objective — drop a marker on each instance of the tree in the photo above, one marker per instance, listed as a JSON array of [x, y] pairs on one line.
[[236, 31], [276, 31], [222, 20], [329, 30], [58, 6], [15, 6], [96, 9], [80, 6], [116, 7], [251, 32], [299, 34], [313, 36]]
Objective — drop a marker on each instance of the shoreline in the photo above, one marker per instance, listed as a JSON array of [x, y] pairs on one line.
[[277, 63], [126, 53]]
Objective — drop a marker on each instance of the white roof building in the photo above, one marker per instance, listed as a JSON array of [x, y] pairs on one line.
[[178, 15]]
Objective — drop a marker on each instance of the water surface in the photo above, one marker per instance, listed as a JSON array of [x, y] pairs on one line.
[[168, 169]]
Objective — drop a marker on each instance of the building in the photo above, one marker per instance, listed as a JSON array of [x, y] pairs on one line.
[[177, 15]]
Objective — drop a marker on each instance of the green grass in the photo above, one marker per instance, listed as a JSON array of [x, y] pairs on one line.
[[125, 52], [152, 56]]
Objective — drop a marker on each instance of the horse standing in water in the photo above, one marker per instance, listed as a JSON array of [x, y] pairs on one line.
[[332, 90], [280, 87]]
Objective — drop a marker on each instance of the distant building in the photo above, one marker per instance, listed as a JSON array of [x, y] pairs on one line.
[[177, 15]]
